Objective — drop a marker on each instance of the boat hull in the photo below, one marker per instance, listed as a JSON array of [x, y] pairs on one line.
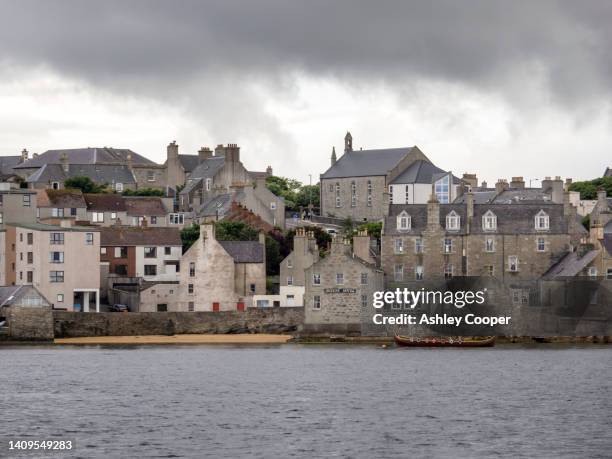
[[409, 341]]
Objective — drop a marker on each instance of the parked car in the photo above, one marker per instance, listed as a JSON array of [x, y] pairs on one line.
[[119, 308], [331, 231]]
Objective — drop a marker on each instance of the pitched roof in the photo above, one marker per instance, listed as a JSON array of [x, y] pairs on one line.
[[571, 264], [421, 172], [60, 198], [362, 163], [85, 156], [607, 243], [511, 219], [7, 163], [99, 173], [131, 236], [525, 195], [189, 162], [480, 197], [608, 172], [144, 206], [105, 202], [208, 168], [244, 251], [216, 206], [13, 294]]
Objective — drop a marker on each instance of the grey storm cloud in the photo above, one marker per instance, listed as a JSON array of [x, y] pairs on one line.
[[477, 43]]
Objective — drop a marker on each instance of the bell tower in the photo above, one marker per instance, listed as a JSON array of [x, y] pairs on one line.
[[348, 142]]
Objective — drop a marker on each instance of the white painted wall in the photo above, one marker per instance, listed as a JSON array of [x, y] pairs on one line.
[[164, 272], [284, 297]]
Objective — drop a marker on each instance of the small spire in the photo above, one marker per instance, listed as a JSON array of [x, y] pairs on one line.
[[333, 156]]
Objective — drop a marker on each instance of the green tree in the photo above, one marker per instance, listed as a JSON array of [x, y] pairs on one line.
[[374, 229], [144, 192], [189, 235], [588, 189], [284, 188], [308, 194], [85, 184], [235, 231]]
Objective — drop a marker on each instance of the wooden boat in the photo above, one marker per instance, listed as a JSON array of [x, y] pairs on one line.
[[459, 341]]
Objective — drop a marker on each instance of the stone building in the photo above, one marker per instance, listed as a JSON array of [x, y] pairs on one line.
[[223, 174], [361, 183], [339, 291], [514, 242], [119, 169], [305, 252], [601, 237], [220, 275]]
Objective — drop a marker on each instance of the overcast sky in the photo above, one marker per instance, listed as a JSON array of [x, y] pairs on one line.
[[496, 88]]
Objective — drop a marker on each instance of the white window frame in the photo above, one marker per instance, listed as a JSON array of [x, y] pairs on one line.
[[316, 279], [418, 245], [97, 217], [404, 221], [316, 302], [119, 187], [492, 241], [453, 221], [542, 221], [540, 244], [399, 246], [419, 272], [398, 273], [489, 221]]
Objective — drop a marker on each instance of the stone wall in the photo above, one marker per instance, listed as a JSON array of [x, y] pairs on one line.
[[268, 320], [361, 210], [30, 324]]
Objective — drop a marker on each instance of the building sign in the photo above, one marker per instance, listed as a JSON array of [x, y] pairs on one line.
[[340, 290]]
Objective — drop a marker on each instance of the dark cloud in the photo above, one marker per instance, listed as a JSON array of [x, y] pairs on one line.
[[481, 43]]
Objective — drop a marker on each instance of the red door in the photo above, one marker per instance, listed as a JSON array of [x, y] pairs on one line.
[[215, 307], [240, 306]]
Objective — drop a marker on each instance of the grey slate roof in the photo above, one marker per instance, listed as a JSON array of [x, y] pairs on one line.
[[511, 219], [480, 197], [98, 173], [571, 265], [206, 169], [189, 162], [12, 294], [608, 172], [7, 163], [363, 163], [215, 206], [607, 243], [86, 156], [526, 195], [244, 251], [144, 206], [418, 172]]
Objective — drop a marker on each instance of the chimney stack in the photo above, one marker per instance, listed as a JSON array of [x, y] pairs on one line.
[[361, 246], [172, 150], [129, 161], [64, 162], [471, 180], [517, 183], [204, 153], [24, 155], [433, 212], [269, 172], [501, 185], [484, 185], [555, 188]]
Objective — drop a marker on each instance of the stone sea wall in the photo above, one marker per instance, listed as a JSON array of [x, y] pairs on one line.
[[269, 320]]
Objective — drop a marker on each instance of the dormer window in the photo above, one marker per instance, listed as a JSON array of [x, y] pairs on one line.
[[403, 221], [489, 221], [542, 221], [453, 221]]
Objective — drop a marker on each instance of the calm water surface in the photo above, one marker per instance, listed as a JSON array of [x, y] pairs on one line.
[[311, 401]]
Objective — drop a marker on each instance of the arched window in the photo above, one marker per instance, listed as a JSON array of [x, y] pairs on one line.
[[404, 221], [453, 221], [542, 221], [489, 221]]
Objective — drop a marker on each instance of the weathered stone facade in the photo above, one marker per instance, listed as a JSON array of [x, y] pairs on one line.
[[359, 209], [305, 252], [430, 247], [339, 291]]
